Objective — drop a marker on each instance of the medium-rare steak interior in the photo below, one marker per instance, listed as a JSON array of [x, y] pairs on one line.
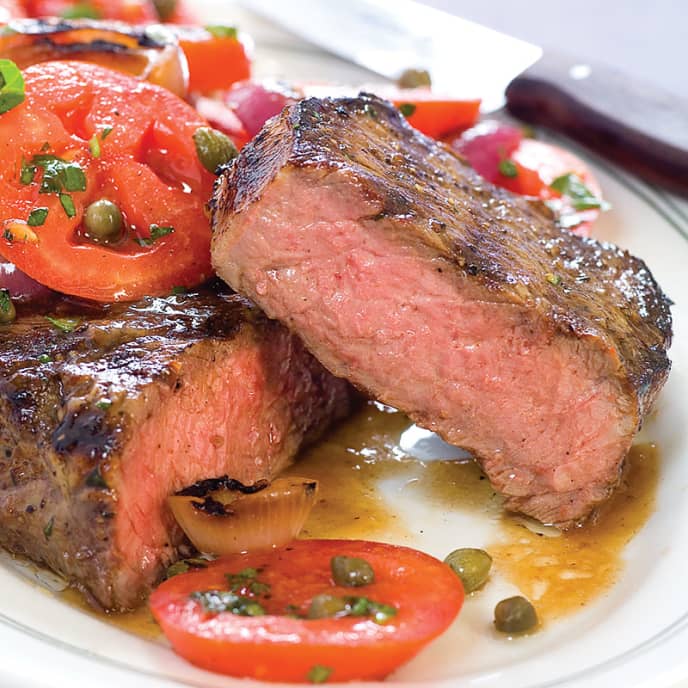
[[100, 424], [455, 301]]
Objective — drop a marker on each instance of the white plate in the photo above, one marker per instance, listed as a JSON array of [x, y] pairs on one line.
[[633, 636]]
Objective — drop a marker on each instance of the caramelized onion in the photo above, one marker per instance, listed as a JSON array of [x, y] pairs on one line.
[[150, 53], [229, 521]]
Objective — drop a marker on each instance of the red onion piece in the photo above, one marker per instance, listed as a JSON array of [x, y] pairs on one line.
[[486, 144], [254, 104], [20, 285]]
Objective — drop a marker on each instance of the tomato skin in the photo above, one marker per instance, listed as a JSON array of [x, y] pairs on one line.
[[279, 648], [66, 104], [205, 51], [436, 115]]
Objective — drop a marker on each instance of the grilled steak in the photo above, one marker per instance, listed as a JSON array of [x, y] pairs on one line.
[[99, 425], [458, 302]]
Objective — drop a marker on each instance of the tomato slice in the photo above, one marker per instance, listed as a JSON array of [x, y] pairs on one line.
[[282, 645], [133, 143], [205, 49], [433, 114]]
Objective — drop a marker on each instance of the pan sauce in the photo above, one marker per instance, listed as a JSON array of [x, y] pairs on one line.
[[559, 572]]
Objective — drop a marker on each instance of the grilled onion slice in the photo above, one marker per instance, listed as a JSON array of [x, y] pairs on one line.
[[235, 518], [150, 53]]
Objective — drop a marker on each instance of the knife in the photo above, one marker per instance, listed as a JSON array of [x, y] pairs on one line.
[[635, 124]]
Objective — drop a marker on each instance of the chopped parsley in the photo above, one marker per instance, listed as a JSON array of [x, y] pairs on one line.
[[553, 279], [82, 10], [94, 146], [582, 198], [407, 109], [64, 324], [67, 205], [104, 404], [247, 580], [59, 175], [156, 232], [218, 601], [184, 566], [45, 358], [5, 302], [95, 479], [178, 291], [11, 86], [48, 528], [106, 132], [28, 173], [319, 673], [219, 31], [508, 168], [37, 217]]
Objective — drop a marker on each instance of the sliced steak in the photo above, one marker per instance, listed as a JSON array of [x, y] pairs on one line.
[[100, 425], [458, 302]]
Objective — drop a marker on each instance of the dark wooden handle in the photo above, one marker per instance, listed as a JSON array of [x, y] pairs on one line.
[[635, 124]]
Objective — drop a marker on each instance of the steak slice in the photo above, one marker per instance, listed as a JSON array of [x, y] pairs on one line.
[[455, 301], [100, 425]]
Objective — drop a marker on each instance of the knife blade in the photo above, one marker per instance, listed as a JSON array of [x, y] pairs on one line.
[[635, 124]]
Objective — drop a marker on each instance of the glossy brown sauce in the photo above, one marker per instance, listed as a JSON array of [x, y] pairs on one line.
[[559, 572]]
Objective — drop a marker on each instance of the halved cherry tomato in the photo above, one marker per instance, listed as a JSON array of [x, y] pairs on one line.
[[133, 143], [502, 155], [283, 645], [216, 57]]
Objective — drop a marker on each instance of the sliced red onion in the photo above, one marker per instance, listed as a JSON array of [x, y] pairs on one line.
[[254, 104], [486, 144], [20, 285]]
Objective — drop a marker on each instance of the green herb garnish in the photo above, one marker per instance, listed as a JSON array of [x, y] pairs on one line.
[[106, 132], [11, 86], [553, 279], [94, 146], [5, 301], [247, 580], [45, 358], [319, 673], [64, 324], [48, 528], [184, 566], [156, 232], [59, 175], [582, 198], [219, 31], [407, 109], [508, 168], [218, 601], [82, 10], [95, 479], [67, 205], [177, 291], [28, 173], [37, 217]]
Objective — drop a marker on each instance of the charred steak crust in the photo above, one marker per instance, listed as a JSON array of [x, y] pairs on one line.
[[419, 193], [72, 405]]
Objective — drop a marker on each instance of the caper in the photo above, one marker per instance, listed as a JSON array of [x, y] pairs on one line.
[[352, 572], [471, 565], [515, 615], [414, 78], [7, 310], [165, 9], [326, 606], [103, 221], [213, 147]]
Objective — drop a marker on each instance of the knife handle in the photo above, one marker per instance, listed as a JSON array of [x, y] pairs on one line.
[[637, 125]]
